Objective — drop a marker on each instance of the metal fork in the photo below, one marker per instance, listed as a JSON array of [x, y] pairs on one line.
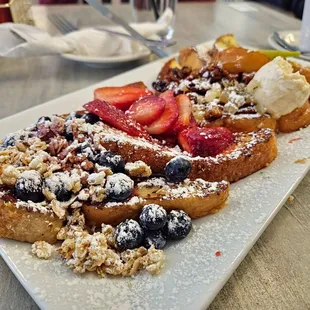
[[64, 26]]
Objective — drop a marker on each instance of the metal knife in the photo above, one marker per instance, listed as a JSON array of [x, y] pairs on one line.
[[117, 20]]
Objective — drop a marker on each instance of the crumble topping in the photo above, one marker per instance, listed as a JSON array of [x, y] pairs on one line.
[[215, 95], [42, 250], [9, 175], [96, 178], [138, 169], [85, 252]]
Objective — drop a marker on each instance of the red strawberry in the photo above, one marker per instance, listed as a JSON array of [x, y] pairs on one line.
[[168, 139], [205, 141], [137, 85], [185, 113], [147, 109], [116, 118], [121, 97], [170, 115]]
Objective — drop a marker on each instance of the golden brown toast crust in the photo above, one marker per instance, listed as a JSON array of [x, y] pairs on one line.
[[208, 198], [295, 120], [27, 225], [257, 153]]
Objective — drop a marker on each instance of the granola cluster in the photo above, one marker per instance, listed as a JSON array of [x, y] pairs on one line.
[[138, 169], [97, 252], [85, 250], [42, 249]]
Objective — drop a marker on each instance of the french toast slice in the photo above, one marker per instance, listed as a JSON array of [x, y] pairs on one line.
[[197, 198], [27, 223], [249, 152]]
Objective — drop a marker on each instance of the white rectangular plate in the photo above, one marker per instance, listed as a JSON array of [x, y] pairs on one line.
[[193, 274]]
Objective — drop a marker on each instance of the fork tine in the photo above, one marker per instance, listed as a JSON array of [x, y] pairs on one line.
[[68, 24], [61, 24], [56, 23]]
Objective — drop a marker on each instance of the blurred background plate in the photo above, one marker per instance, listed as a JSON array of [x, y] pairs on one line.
[[108, 62]]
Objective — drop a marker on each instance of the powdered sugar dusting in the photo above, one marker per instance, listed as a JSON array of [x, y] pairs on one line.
[[31, 180], [193, 270], [119, 183], [41, 207]]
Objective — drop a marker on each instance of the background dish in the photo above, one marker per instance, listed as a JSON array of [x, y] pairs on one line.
[[108, 62]]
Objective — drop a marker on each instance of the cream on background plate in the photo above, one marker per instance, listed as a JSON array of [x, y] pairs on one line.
[[193, 274]]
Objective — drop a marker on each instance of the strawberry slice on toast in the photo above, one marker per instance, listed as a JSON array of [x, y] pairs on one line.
[[147, 109], [205, 141], [169, 117], [116, 118], [121, 97]]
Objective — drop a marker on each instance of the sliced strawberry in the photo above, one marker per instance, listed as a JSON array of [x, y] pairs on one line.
[[168, 139], [116, 118], [185, 114], [139, 84], [205, 141], [121, 97], [147, 109], [170, 115]]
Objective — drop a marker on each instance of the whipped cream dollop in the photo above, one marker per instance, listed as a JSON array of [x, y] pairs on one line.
[[277, 90]]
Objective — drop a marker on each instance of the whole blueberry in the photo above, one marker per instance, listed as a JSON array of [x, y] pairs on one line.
[[73, 115], [111, 160], [153, 217], [57, 184], [178, 225], [87, 150], [9, 140], [129, 235], [119, 186], [91, 118], [29, 186], [156, 238], [68, 134], [177, 169]]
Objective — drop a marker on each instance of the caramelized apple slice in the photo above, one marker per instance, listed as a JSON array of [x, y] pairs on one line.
[[238, 60]]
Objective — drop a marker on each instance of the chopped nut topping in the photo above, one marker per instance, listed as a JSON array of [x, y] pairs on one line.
[[96, 178], [138, 169], [9, 175]]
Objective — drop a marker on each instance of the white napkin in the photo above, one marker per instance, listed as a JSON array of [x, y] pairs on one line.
[[18, 40]]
